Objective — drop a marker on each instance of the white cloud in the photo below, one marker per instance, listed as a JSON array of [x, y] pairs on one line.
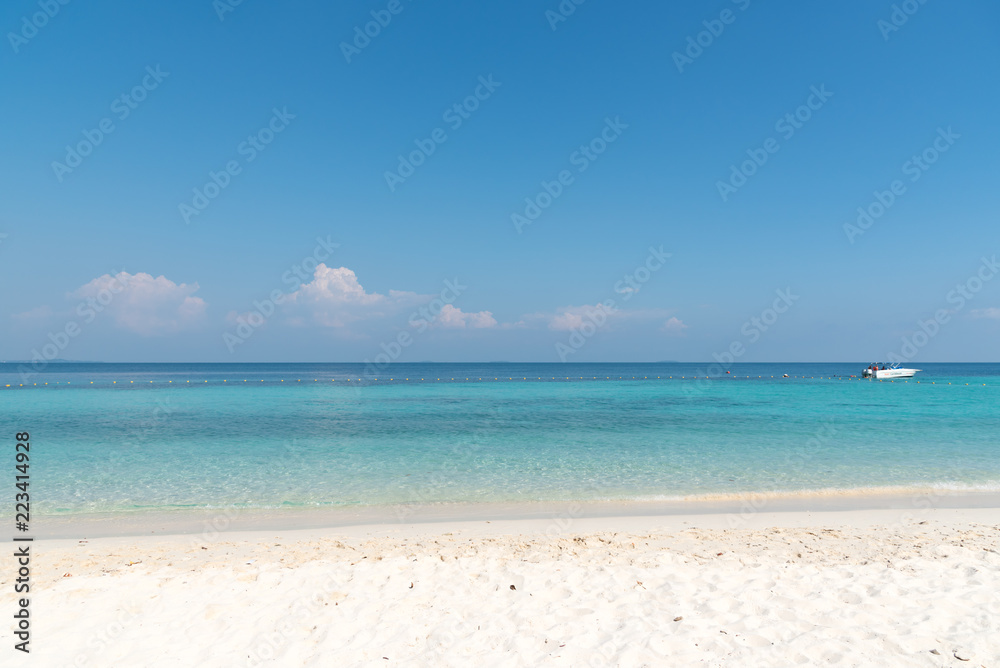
[[568, 318], [335, 298], [673, 326], [452, 317], [337, 286], [992, 313], [142, 304]]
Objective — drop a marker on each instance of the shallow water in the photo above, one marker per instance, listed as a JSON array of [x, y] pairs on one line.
[[106, 439]]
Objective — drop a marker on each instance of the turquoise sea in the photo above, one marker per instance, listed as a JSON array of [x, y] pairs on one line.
[[126, 437]]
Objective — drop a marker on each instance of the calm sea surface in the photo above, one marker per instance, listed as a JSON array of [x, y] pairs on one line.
[[106, 439]]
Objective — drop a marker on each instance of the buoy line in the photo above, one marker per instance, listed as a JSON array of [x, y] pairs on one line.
[[478, 379]]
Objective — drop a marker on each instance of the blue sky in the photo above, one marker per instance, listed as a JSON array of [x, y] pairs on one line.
[[670, 127]]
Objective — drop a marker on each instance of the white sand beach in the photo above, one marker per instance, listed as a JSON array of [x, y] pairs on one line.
[[854, 588]]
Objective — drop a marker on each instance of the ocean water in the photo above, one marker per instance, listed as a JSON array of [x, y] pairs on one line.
[[127, 437]]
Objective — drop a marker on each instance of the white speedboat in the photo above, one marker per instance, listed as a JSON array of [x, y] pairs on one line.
[[887, 372]]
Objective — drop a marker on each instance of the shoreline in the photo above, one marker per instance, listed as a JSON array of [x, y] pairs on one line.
[[737, 511], [552, 528]]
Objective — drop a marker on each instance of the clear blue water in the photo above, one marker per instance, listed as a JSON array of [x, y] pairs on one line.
[[106, 439]]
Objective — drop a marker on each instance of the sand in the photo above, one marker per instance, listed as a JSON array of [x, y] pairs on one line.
[[858, 588]]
